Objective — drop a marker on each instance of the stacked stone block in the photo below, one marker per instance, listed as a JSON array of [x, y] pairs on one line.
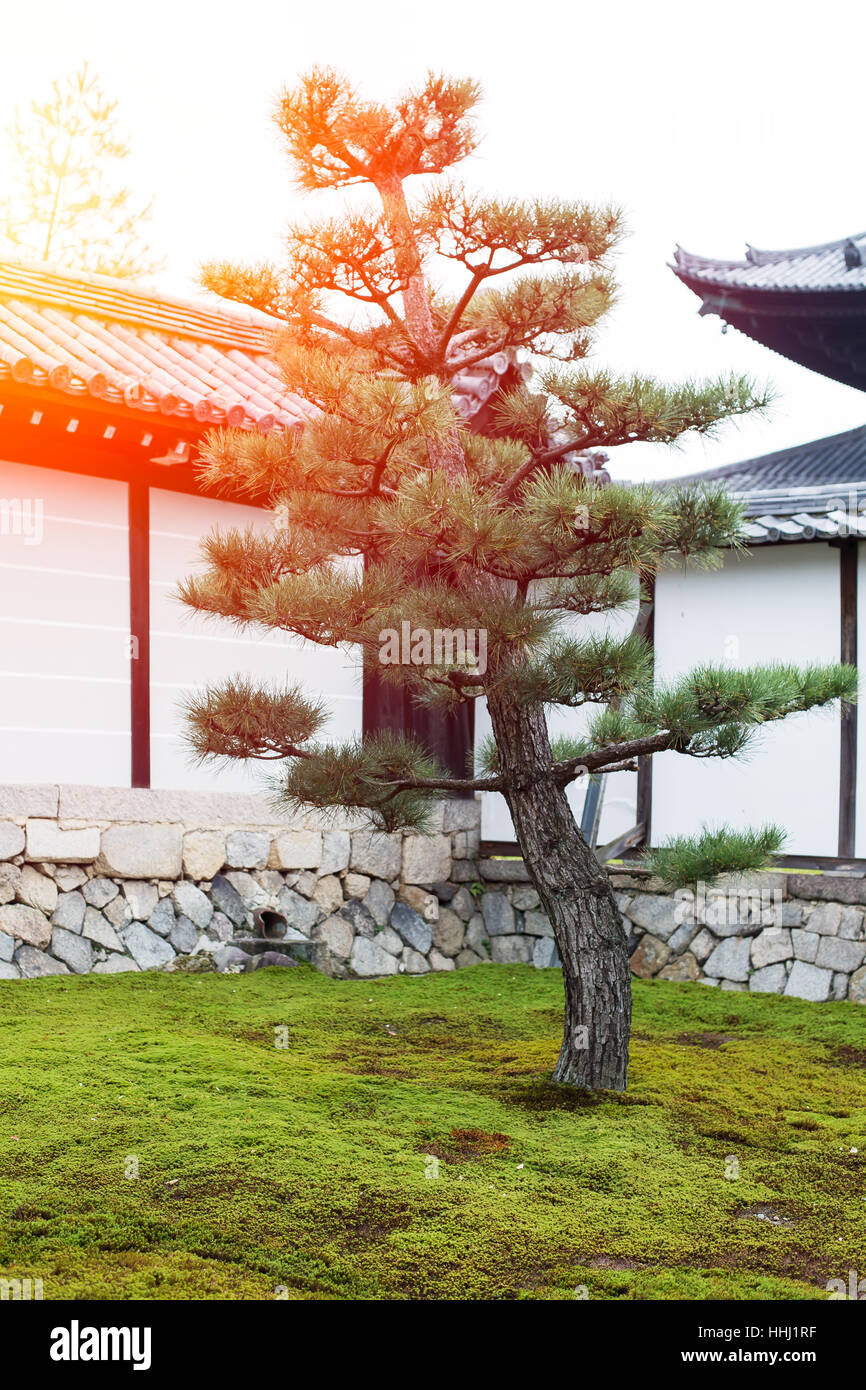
[[108, 897]]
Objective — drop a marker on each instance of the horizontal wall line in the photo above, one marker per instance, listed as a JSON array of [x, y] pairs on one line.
[[57, 622], [84, 521], [204, 685], [69, 625], [194, 540], [63, 676], [77, 574], [225, 641], [50, 729]]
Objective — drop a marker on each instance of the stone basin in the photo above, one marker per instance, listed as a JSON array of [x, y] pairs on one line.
[[294, 944]]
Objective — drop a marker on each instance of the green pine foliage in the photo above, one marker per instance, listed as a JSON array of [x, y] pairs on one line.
[[389, 508], [593, 671], [239, 719], [688, 859], [366, 774]]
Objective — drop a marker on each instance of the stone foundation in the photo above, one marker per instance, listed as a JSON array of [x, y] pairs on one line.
[[773, 933], [112, 880]]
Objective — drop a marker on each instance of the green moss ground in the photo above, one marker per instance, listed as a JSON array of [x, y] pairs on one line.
[[304, 1167]]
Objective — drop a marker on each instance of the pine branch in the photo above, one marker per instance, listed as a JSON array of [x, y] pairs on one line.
[[711, 713], [573, 673], [267, 289], [691, 859], [600, 759], [336, 139], [390, 777], [240, 719], [599, 410]]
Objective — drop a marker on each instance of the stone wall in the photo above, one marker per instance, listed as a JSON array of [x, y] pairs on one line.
[[775, 933], [109, 883], [111, 880]]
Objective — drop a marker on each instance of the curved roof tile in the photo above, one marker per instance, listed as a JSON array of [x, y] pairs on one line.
[[112, 339], [835, 266]]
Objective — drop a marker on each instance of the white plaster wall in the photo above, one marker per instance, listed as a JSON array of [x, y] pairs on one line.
[[776, 603], [64, 630], [189, 651]]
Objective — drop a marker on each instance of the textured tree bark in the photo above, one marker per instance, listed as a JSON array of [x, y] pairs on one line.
[[576, 895], [447, 452]]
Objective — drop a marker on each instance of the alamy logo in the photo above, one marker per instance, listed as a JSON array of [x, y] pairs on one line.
[[438, 646], [77, 1343], [20, 1289], [23, 516], [855, 1289]]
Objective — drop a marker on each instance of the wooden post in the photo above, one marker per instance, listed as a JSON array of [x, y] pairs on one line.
[[139, 631], [848, 731], [643, 815]]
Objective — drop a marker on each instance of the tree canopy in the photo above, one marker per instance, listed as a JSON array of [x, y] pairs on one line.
[[501, 531], [392, 513], [66, 203]]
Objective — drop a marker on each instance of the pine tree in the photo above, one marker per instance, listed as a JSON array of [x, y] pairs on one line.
[[457, 531], [68, 207]]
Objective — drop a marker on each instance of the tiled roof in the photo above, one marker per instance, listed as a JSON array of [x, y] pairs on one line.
[[808, 304], [835, 266], [838, 458], [814, 524], [811, 491], [112, 340]]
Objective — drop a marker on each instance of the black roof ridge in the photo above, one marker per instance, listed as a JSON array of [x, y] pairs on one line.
[[755, 256], [691, 260], [766, 460]]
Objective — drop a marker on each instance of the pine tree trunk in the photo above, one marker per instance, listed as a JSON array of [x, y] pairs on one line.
[[575, 893], [445, 452]]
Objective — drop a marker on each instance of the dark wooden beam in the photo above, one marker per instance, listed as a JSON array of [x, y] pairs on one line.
[[644, 803], [848, 733], [450, 738], [139, 630], [500, 849], [644, 807]]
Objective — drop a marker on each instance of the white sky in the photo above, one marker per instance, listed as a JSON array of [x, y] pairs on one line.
[[711, 125]]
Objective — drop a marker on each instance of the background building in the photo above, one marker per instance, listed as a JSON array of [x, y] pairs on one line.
[[797, 594]]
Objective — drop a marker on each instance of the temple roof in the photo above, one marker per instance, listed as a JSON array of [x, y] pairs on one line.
[[203, 362], [808, 304], [837, 265]]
